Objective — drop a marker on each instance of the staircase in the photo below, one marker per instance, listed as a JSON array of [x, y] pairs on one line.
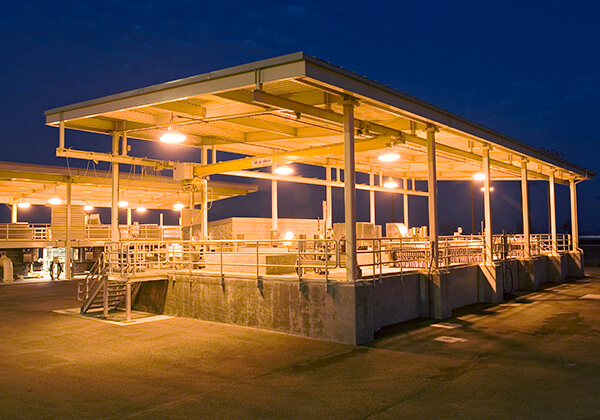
[[91, 290]]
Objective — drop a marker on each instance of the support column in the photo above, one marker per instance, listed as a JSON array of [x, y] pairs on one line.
[[432, 189], [487, 207], [15, 213], [68, 270], [204, 155], [204, 209], [525, 209], [574, 222], [274, 203], [372, 198], [61, 135], [328, 198], [552, 203], [128, 216], [114, 213], [440, 306], [405, 202], [350, 192], [214, 154]]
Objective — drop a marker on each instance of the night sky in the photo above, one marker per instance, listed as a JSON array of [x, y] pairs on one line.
[[528, 69]]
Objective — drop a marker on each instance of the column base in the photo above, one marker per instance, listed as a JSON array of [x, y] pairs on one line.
[[490, 283]]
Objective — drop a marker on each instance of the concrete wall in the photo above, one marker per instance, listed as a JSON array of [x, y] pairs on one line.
[[253, 228], [340, 311]]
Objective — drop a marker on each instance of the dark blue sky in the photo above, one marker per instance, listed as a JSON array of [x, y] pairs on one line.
[[528, 69]]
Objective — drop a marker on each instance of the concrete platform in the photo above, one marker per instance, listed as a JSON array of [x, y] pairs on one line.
[[535, 356]]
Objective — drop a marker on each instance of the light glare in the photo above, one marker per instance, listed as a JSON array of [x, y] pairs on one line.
[[388, 157], [23, 205], [172, 136], [390, 183], [480, 176], [55, 201], [283, 170]]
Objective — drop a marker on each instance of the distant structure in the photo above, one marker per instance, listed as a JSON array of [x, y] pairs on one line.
[[336, 282]]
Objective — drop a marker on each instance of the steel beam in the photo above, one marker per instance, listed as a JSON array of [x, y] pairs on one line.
[[433, 198], [350, 192], [525, 209], [574, 222], [552, 204], [487, 207], [68, 270]]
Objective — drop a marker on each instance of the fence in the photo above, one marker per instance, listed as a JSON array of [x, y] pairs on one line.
[[312, 257]]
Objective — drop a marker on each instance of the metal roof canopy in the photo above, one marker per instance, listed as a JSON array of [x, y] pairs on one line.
[[36, 184], [289, 109]]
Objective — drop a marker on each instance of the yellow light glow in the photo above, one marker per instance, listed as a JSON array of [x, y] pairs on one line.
[[123, 203], [390, 183], [388, 157], [141, 209], [172, 136], [88, 207], [178, 206], [491, 189], [289, 236], [23, 205], [55, 201], [403, 229], [283, 170], [480, 176]]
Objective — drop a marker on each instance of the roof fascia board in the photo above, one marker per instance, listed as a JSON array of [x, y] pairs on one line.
[[350, 83], [284, 67]]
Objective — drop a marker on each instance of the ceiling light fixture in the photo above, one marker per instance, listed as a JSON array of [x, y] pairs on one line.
[[390, 183], [141, 209], [480, 176], [491, 189], [389, 156], [55, 201], [283, 170], [178, 206], [23, 205], [172, 135], [88, 207]]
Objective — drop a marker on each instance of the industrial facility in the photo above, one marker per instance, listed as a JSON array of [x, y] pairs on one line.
[[311, 277]]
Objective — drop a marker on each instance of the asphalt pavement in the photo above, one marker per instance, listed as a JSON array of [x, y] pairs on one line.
[[533, 356]]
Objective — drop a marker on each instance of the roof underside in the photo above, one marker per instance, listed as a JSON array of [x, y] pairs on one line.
[[36, 184], [291, 107]]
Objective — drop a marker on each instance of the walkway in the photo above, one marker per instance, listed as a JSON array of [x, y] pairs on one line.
[[532, 357]]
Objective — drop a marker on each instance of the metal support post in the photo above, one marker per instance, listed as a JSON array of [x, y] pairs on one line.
[[105, 298], [328, 198], [574, 222], [204, 209], [61, 135], [128, 301], [68, 271], [350, 192], [552, 203], [274, 203], [405, 201], [372, 198], [114, 212], [15, 215], [525, 209], [214, 154], [124, 145], [487, 206], [128, 216], [205, 155], [432, 189]]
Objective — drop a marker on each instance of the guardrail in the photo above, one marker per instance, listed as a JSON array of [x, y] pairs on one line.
[[312, 257]]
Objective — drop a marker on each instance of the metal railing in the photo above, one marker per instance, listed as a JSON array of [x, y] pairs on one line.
[[312, 257], [24, 232]]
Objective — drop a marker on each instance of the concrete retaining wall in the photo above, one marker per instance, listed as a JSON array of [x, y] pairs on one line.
[[340, 311]]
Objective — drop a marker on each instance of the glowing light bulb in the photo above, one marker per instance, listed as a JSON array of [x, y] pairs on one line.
[[23, 205], [141, 209], [178, 206], [390, 183], [55, 201], [172, 136], [283, 170], [88, 207], [123, 203], [480, 176], [388, 157]]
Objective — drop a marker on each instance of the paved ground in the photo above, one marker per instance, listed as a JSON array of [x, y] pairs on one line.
[[536, 356]]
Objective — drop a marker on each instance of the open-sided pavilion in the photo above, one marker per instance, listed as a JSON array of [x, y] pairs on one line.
[[297, 108]]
